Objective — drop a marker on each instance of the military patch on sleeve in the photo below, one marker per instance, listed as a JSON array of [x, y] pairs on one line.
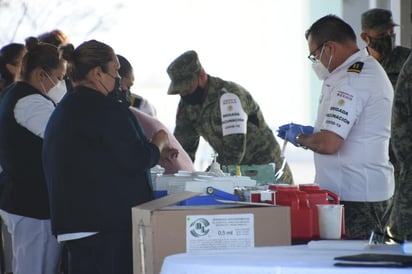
[[357, 67]]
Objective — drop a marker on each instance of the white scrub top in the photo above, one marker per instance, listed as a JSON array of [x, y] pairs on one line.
[[356, 104]]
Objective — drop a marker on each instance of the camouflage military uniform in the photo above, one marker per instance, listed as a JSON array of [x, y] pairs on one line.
[[258, 146], [368, 215], [401, 216], [379, 22], [392, 66], [394, 62]]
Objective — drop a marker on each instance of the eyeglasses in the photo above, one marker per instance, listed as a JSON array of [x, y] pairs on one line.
[[311, 55]]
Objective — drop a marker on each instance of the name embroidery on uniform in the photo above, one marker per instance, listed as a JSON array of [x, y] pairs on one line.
[[344, 95], [357, 67]]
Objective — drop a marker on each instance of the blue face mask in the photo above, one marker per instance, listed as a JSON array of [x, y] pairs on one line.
[[195, 98]]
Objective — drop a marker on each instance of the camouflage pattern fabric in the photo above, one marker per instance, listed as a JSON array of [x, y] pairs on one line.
[[392, 66], [182, 71], [394, 62], [401, 142], [377, 19], [258, 146], [400, 225], [363, 217]]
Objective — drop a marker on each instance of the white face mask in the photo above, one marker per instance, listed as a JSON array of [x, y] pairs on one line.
[[58, 91], [321, 71]]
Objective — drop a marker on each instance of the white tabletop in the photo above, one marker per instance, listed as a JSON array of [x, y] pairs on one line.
[[297, 259]]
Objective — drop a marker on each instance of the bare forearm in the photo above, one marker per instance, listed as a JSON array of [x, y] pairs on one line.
[[323, 142]]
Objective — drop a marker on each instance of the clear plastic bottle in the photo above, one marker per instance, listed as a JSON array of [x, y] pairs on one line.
[[215, 166]]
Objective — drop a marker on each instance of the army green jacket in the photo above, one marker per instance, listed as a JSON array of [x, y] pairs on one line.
[[257, 146]]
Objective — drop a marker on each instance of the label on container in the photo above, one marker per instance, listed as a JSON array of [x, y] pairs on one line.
[[219, 232]]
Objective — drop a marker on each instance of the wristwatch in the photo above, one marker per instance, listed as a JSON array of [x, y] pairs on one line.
[[297, 141]]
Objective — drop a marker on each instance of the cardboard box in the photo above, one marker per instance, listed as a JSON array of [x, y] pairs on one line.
[[160, 230]]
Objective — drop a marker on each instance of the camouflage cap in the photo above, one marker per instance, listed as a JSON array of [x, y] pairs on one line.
[[182, 71], [377, 19]]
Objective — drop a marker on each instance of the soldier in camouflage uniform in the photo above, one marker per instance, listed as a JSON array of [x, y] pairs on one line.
[[224, 114], [379, 36], [378, 33], [401, 216]]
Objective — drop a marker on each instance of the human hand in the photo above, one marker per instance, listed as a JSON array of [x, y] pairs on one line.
[[168, 153], [289, 132], [161, 140]]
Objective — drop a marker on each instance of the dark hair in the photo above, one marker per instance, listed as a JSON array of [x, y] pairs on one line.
[[125, 66], [9, 54], [331, 28], [55, 37], [88, 55], [43, 55]]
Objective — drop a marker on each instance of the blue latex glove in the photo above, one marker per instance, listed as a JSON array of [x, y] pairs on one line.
[[289, 132]]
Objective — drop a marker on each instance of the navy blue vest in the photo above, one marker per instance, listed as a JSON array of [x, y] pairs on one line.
[[24, 186]]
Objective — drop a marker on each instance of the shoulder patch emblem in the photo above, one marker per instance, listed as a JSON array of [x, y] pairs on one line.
[[357, 67]]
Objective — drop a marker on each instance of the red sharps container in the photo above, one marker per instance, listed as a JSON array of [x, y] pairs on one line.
[[301, 212], [319, 196]]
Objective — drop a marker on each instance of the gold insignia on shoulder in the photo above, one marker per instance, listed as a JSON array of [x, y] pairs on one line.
[[357, 67], [341, 102]]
